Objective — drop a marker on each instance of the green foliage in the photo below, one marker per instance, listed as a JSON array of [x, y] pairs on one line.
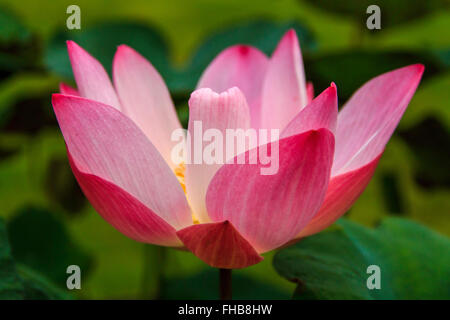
[[19, 282], [101, 41], [332, 265], [351, 69], [40, 241], [392, 12], [12, 28]]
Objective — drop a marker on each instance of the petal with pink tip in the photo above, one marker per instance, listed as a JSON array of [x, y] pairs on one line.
[[92, 80], [238, 66], [145, 99], [270, 210], [220, 245], [342, 192], [284, 90], [227, 110], [369, 118], [68, 90], [320, 113], [310, 91], [123, 211], [106, 143]]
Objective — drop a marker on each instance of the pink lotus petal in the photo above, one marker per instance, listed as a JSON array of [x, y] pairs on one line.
[[284, 90], [227, 110], [270, 210], [68, 90], [320, 113], [238, 66], [123, 211], [310, 91], [106, 143], [145, 99], [220, 245], [369, 118], [92, 80], [342, 192]]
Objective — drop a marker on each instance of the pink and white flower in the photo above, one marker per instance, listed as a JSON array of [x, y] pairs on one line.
[[118, 143]]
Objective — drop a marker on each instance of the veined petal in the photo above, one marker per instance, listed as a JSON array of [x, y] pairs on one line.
[[106, 143], [145, 99], [123, 211], [284, 90], [369, 118], [92, 80], [220, 245], [210, 110], [238, 66], [320, 113], [270, 210], [342, 192], [68, 90]]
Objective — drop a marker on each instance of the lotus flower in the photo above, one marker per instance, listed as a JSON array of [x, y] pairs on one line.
[[118, 144]]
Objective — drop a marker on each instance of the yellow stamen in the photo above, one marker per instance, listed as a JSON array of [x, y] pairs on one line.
[[179, 173]]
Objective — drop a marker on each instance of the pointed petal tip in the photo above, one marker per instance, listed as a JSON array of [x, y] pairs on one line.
[[72, 45], [321, 135], [243, 49], [291, 33], [419, 66], [68, 90], [124, 49], [414, 70], [316, 133], [56, 98], [331, 90]]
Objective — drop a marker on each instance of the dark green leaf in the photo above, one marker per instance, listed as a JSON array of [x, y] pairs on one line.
[[12, 30], [40, 241], [431, 160], [414, 262], [101, 42], [351, 69], [10, 283], [20, 282]]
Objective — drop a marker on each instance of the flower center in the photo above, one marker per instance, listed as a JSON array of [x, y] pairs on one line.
[[179, 173]]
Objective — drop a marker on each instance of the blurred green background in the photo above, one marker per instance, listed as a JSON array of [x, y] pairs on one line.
[[49, 223]]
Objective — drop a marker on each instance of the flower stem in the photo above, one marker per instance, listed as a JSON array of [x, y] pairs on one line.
[[225, 284]]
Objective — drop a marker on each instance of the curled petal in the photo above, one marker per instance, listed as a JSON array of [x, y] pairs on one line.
[[220, 245]]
